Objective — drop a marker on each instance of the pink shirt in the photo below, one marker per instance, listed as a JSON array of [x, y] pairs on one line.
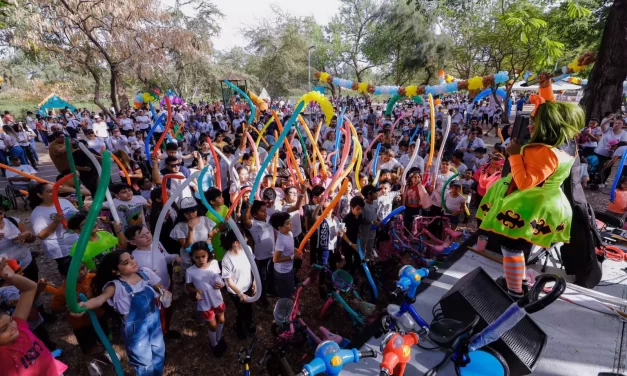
[[27, 356]]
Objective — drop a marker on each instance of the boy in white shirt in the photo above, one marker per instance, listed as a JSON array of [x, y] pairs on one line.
[[255, 220], [129, 206], [284, 255]]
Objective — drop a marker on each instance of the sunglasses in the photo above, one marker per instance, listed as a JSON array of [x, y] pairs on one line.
[[175, 165]]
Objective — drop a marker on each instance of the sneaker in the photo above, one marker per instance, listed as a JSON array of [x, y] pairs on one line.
[[222, 346], [601, 185], [106, 358], [93, 369], [215, 351]]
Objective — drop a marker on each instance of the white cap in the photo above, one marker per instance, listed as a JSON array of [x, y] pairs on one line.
[[187, 202]]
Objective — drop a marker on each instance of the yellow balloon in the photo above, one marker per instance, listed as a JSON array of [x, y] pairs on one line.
[[362, 87], [147, 98], [324, 76], [475, 83], [325, 104], [411, 91]]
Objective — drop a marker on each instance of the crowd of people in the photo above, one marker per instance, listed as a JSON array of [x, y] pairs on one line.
[[197, 254]]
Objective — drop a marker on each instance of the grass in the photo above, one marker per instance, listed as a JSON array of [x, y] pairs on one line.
[[19, 108]]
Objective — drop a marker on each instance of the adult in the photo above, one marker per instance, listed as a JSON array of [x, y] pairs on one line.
[[468, 146], [613, 137], [56, 240], [528, 206], [19, 181], [174, 166], [100, 128], [132, 167], [387, 162], [589, 137], [13, 235], [419, 162], [94, 142], [23, 138], [58, 154], [118, 141]]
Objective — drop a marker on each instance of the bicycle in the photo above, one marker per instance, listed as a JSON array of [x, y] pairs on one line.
[[343, 283], [330, 359], [245, 355], [396, 350], [420, 234], [402, 318], [470, 353], [288, 327]]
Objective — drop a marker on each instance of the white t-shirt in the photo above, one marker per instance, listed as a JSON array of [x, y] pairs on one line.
[[100, 129], [285, 245], [130, 211], [121, 300], [127, 124], [201, 234], [143, 122], [60, 242], [24, 168], [295, 218], [236, 267], [11, 250], [418, 162], [144, 257], [263, 235], [97, 144], [436, 195], [454, 203], [203, 280], [597, 132], [603, 148], [391, 165]]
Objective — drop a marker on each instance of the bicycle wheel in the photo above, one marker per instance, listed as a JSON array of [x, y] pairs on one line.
[[484, 362]]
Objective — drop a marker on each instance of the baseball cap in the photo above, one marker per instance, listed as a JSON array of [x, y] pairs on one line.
[[369, 189], [188, 203], [455, 183]]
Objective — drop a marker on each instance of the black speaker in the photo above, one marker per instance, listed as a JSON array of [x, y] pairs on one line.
[[477, 294]]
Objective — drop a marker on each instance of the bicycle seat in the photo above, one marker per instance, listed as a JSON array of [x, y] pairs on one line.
[[445, 332]]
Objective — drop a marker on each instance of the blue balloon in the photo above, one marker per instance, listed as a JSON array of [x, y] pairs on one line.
[[275, 149], [336, 81], [202, 195], [340, 122], [253, 109], [618, 175], [501, 77], [149, 137], [451, 87], [392, 214], [376, 158]]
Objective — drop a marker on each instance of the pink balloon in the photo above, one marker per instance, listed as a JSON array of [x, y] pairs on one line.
[[370, 146], [397, 120], [346, 150]]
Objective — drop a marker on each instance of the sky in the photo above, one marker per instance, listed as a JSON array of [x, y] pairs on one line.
[[239, 13]]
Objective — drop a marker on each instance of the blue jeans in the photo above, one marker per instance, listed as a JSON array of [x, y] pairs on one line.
[[33, 145], [44, 137], [142, 334]]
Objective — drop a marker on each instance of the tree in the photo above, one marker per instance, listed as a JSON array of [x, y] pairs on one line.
[[405, 44], [281, 45], [106, 39], [356, 22], [604, 91]]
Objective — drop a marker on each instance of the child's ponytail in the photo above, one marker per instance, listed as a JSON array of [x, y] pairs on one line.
[[106, 270]]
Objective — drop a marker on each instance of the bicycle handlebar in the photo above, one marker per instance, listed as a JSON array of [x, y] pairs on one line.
[[370, 353], [384, 372], [532, 302], [397, 291], [320, 267]]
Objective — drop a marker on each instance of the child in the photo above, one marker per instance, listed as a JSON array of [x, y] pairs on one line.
[[129, 206], [455, 203], [140, 237], [283, 256], [326, 241], [619, 206], [216, 200], [367, 234], [480, 158], [414, 198], [100, 242], [17, 342], [353, 223], [256, 221], [467, 184], [145, 187], [131, 292], [133, 141], [203, 283], [386, 199], [81, 326], [237, 274]]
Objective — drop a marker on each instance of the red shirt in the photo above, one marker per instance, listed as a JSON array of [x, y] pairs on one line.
[[412, 197], [27, 356]]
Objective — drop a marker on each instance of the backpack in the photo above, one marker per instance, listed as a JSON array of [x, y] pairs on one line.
[[579, 256]]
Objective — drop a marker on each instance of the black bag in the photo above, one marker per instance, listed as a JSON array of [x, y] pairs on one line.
[[579, 256]]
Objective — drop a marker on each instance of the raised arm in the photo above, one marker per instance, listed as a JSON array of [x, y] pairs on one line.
[[535, 166]]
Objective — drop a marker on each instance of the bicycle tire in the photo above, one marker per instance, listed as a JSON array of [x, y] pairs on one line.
[[486, 359], [326, 307], [284, 366]]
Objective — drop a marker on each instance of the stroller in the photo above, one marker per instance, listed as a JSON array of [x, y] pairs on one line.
[[595, 172]]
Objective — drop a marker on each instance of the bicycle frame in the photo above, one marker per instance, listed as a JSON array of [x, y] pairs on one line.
[[364, 265]]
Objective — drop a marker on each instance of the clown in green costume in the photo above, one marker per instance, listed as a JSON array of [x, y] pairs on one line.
[[528, 206]]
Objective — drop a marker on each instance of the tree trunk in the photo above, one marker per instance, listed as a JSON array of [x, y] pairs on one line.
[[122, 96], [96, 75], [113, 87], [604, 91]]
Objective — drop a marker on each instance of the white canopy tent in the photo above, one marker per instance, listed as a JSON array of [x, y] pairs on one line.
[[557, 86]]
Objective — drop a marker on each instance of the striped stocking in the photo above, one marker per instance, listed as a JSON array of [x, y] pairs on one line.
[[513, 268]]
